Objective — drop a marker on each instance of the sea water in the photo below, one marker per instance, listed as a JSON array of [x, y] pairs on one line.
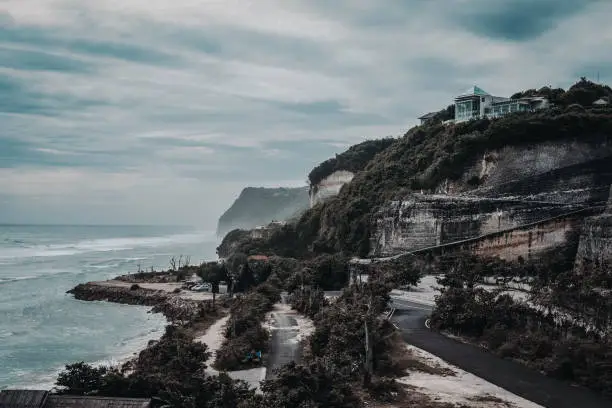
[[42, 328]]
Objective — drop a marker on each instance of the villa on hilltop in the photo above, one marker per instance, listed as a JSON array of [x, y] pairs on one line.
[[475, 103]]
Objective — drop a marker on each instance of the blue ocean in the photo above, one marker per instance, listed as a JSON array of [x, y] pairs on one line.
[[42, 328]]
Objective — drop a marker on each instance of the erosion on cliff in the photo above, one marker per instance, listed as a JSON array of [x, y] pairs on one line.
[[327, 178], [259, 205], [459, 181]]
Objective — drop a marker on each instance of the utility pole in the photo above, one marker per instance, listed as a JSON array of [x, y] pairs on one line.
[[369, 360]]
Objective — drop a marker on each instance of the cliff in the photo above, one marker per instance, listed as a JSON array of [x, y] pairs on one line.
[[327, 178], [596, 238], [517, 186], [259, 206], [526, 181]]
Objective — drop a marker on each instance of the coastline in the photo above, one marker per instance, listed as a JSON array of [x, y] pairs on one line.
[[191, 310], [129, 349]]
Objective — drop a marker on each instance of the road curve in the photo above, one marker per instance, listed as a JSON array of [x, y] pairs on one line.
[[410, 319]]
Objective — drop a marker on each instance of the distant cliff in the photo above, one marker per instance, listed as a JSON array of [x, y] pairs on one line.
[[259, 205]]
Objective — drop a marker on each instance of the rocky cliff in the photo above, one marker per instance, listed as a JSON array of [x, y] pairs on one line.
[[516, 186], [259, 206], [524, 180], [329, 186], [596, 237]]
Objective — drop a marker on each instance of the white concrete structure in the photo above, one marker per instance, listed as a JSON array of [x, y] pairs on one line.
[[475, 103]]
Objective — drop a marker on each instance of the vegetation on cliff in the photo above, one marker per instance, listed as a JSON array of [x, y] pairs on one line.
[[259, 206], [354, 159]]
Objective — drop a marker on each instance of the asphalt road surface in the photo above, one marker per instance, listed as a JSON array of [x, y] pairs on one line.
[[410, 318], [284, 346]]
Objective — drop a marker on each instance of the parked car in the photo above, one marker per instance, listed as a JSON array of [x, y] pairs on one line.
[[204, 287]]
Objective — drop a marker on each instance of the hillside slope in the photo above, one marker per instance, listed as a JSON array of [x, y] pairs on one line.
[[560, 156], [259, 205]]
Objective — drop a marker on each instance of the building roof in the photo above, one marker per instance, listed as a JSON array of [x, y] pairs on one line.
[[22, 398], [43, 399], [428, 115], [601, 101], [258, 258], [73, 401], [474, 90]]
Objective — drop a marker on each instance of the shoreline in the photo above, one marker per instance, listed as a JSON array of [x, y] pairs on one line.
[[129, 349], [191, 310]]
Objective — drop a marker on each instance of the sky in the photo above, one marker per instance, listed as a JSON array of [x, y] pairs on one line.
[[161, 111]]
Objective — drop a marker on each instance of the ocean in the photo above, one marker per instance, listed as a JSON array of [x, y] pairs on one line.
[[42, 328]]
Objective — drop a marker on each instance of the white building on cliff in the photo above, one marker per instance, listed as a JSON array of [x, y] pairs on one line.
[[475, 103]]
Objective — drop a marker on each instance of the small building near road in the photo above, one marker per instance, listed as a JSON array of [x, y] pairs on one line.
[[45, 399]]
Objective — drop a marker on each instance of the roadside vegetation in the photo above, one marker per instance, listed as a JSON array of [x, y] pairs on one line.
[[563, 328]]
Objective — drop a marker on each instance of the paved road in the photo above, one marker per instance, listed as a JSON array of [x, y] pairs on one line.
[[284, 346], [514, 377]]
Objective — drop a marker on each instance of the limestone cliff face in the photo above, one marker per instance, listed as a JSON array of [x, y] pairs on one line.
[[500, 192], [329, 186], [596, 238], [259, 206]]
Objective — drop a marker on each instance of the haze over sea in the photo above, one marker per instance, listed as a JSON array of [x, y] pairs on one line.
[[42, 328]]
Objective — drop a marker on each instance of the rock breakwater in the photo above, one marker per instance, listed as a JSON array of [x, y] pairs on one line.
[[175, 308]]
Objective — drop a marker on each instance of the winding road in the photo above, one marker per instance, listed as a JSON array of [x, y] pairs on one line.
[[410, 318]]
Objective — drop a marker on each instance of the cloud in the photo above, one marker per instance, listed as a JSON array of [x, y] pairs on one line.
[[107, 107], [518, 20]]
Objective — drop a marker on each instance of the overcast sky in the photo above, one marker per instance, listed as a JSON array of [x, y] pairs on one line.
[[161, 111]]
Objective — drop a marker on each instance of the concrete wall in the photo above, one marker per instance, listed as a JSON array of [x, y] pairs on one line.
[[329, 186]]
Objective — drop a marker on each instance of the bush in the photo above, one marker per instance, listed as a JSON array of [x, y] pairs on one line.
[[135, 286], [244, 332]]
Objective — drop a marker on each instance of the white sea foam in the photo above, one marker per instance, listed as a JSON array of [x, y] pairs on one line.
[[103, 245]]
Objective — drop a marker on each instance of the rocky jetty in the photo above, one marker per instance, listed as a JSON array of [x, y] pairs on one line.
[[174, 307]]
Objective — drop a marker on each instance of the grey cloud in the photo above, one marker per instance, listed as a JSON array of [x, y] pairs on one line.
[[515, 20], [194, 111], [41, 61]]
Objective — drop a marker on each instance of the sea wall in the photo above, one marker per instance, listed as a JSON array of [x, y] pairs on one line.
[[329, 186]]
